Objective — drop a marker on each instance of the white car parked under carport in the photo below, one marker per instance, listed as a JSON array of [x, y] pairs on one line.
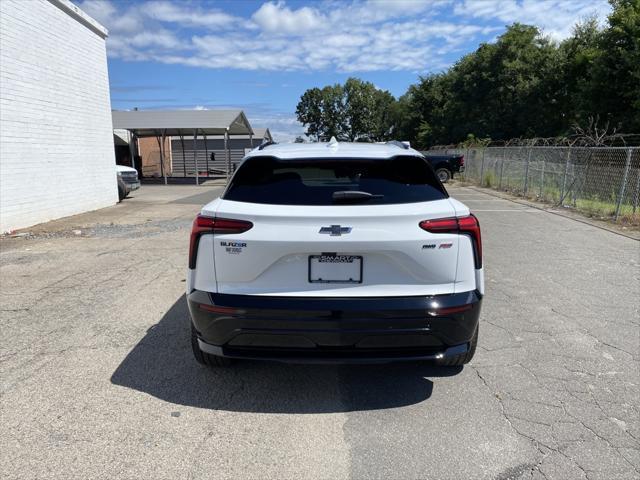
[[127, 181]]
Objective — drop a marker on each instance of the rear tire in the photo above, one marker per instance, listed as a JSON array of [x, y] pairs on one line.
[[444, 174], [205, 358], [458, 360]]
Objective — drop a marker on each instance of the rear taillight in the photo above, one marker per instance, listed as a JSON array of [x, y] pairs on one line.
[[461, 226], [462, 160], [203, 225]]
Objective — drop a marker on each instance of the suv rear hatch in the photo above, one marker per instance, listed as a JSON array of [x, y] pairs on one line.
[[338, 227]]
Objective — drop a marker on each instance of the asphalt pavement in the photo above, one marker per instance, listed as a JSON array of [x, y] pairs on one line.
[[98, 381]]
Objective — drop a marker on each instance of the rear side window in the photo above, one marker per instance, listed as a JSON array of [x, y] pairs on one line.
[[402, 179]]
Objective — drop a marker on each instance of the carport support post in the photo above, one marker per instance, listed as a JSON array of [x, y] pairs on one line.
[[162, 152], [160, 139], [228, 156], [623, 185], [131, 153], [184, 158], [206, 152], [526, 172], [195, 154]]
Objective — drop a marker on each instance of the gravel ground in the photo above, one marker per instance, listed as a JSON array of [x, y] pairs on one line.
[[98, 380]]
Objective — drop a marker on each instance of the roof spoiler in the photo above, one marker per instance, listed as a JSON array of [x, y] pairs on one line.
[[266, 144], [398, 143]]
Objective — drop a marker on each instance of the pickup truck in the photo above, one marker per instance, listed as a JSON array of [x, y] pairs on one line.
[[445, 164]]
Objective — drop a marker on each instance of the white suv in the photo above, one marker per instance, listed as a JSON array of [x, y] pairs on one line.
[[335, 252]]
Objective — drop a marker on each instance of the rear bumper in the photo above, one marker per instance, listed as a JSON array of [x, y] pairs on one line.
[[334, 330]]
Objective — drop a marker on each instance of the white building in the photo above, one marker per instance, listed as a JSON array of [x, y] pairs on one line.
[[56, 138]]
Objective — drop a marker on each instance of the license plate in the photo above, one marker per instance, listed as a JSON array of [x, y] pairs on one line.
[[333, 268]]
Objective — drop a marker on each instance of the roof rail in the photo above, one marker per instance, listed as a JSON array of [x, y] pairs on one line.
[[266, 144], [398, 143]]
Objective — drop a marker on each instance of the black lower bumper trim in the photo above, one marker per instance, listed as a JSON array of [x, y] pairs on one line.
[[342, 356], [330, 329]]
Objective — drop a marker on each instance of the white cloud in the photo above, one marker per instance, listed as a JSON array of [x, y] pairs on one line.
[[358, 36], [336, 35], [276, 17], [106, 13], [155, 39], [555, 17], [101, 10], [165, 11]]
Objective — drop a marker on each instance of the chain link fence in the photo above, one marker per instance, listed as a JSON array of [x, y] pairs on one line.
[[598, 181]]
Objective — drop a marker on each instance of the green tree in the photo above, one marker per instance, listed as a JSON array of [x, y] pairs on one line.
[[383, 126], [333, 112], [309, 112], [615, 92], [357, 111], [510, 88], [419, 115], [322, 112], [521, 85], [580, 51]]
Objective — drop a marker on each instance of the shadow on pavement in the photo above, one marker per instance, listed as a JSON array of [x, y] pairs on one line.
[[162, 365]]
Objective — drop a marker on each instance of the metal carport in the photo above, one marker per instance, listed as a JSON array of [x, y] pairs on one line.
[[179, 123]]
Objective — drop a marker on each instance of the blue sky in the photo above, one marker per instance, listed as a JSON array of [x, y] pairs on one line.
[[260, 56]]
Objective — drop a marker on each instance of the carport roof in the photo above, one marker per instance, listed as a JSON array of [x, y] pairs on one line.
[[151, 123]]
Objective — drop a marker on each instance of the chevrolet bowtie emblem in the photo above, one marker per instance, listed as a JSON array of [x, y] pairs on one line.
[[335, 230]]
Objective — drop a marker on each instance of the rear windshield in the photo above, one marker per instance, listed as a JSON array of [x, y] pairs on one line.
[[403, 179]]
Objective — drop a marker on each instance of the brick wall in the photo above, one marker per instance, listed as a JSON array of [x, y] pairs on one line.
[[149, 150], [56, 142]]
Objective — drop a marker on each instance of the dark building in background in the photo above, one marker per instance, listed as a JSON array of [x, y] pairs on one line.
[[211, 155]]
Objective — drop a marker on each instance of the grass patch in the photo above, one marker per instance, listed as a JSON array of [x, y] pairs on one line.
[[490, 180]]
